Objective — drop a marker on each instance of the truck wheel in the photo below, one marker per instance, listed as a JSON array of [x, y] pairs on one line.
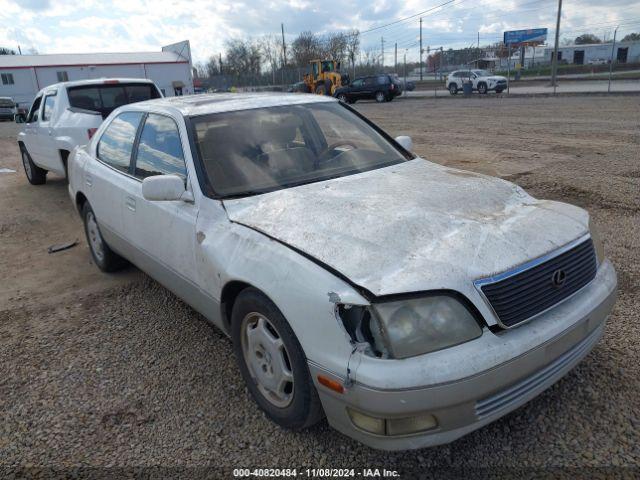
[[380, 97], [272, 362], [105, 258], [482, 88], [35, 174], [320, 90]]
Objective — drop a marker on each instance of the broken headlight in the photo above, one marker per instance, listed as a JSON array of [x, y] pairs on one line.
[[406, 328]]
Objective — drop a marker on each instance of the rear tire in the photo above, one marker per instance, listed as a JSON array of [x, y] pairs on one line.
[[453, 89], [343, 98], [105, 258], [269, 356], [35, 174], [380, 97]]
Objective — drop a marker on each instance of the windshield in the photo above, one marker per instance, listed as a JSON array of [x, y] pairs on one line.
[[255, 151], [482, 73]]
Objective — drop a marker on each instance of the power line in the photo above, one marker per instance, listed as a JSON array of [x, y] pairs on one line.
[[408, 18]]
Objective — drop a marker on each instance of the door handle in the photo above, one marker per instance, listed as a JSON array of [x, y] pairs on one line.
[[88, 179], [130, 202]]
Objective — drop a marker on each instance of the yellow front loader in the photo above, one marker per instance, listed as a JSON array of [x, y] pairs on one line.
[[325, 77]]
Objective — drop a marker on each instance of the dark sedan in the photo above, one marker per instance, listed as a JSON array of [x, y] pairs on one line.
[[381, 88]]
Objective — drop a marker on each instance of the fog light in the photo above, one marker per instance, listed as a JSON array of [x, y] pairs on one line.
[[408, 425], [366, 422], [393, 426]]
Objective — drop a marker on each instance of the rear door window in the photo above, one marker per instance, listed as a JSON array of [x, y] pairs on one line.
[[106, 98], [116, 144], [159, 151], [383, 80], [49, 105]]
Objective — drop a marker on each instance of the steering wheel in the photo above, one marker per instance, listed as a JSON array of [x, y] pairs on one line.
[[335, 145], [340, 143]]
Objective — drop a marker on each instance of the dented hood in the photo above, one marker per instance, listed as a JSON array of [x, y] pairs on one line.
[[413, 226]]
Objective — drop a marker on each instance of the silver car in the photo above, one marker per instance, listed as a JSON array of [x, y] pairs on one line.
[[408, 302]]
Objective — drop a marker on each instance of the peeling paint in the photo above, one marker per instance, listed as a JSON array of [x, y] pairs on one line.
[[200, 237], [426, 227], [334, 297]]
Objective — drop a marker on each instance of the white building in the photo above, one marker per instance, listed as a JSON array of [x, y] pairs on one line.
[[624, 52], [22, 76]]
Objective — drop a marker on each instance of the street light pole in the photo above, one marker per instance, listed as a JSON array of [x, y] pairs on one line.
[[554, 65], [613, 47]]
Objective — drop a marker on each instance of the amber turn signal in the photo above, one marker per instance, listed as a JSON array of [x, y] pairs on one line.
[[331, 384]]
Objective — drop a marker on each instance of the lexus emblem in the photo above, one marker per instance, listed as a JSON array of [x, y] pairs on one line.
[[558, 278]]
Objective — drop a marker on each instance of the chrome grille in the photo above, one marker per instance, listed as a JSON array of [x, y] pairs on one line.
[[529, 291]]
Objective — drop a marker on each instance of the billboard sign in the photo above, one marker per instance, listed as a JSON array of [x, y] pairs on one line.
[[534, 35]]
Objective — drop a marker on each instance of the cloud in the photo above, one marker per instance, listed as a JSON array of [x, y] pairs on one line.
[[54, 26]]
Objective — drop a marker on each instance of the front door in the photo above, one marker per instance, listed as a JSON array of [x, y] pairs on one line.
[[162, 232], [578, 57], [30, 130], [621, 57], [49, 156]]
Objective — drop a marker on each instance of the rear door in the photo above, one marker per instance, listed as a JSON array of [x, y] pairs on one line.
[[163, 233], [106, 177]]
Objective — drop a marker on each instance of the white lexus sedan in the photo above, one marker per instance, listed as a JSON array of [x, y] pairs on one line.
[[409, 302]]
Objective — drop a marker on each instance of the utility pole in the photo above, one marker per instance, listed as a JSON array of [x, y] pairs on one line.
[[420, 48], [284, 53], [220, 62], [382, 52], [405, 69], [613, 47], [554, 65], [395, 58]]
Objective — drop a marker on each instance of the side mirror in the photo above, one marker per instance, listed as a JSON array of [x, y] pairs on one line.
[[165, 188], [405, 142]]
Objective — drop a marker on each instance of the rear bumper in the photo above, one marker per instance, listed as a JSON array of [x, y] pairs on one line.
[[466, 404]]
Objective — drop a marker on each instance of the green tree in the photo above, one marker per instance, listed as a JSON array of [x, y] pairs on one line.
[[586, 38], [632, 37]]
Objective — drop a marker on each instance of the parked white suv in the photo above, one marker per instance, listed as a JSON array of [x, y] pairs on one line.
[[481, 80], [67, 114], [409, 302]]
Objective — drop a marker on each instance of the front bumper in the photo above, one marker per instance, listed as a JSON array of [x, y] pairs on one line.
[[563, 336]]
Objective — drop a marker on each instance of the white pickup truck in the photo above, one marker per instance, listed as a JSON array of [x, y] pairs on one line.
[[67, 114]]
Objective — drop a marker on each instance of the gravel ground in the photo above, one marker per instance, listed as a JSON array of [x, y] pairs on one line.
[[114, 371]]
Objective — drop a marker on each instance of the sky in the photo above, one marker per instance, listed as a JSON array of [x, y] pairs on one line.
[[70, 26]]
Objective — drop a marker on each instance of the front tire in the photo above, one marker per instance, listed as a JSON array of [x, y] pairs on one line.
[[482, 88], [453, 89], [380, 97], [105, 258], [35, 174], [343, 98], [272, 362]]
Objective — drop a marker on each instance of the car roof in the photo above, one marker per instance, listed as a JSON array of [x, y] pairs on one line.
[[203, 104], [95, 81]]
